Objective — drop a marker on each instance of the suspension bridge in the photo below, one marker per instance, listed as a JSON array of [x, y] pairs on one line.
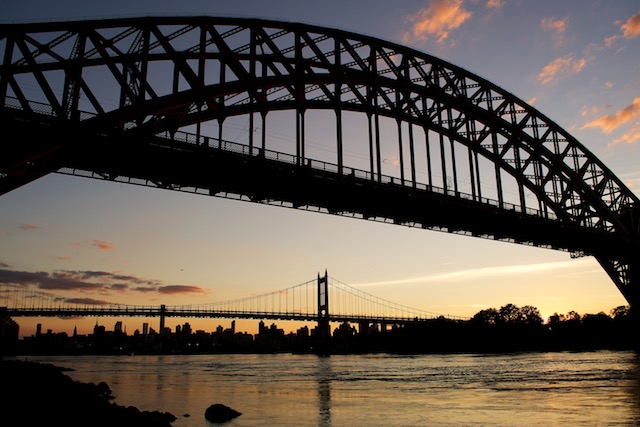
[[182, 82], [324, 300]]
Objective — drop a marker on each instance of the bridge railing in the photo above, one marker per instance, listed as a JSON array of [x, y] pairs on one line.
[[277, 156]]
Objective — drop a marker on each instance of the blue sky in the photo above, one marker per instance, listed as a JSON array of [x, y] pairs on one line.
[[576, 61]]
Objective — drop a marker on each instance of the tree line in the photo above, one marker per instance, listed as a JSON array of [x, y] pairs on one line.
[[513, 328]]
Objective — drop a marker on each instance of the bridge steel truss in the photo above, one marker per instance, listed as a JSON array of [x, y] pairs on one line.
[[173, 74]]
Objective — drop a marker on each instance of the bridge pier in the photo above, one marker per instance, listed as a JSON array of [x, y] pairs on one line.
[[323, 345], [163, 310]]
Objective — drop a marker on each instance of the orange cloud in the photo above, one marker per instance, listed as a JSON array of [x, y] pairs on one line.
[[611, 122], [437, 20], [562, 66], [632, 136], [179, 289], [103, 246], [556, 26], [631, 28]]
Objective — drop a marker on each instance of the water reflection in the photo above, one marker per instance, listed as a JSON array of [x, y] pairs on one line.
[[586, 389], [324, 375], [634, 390]]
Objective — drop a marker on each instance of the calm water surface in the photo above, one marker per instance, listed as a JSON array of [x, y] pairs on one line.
[[533, 389]]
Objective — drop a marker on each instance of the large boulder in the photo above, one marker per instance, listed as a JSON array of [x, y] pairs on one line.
[[219, 413]]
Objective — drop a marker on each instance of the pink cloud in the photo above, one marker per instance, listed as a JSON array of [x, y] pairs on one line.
[[631, 28], [611, 122], [556, 26], [495, 4], [560, 67], [103, 246], [437, 20]]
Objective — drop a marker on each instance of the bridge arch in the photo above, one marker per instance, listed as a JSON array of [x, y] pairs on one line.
[[176, 74]]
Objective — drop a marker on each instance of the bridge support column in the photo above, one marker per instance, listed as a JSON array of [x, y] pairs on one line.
[[163, 310], [324, 330]]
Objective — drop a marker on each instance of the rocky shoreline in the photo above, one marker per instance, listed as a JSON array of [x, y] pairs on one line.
[[37, 394]]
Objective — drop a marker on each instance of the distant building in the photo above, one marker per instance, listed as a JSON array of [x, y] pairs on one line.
[[186, 329]]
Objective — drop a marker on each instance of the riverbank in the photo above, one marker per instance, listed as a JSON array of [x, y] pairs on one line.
[[37, 394]]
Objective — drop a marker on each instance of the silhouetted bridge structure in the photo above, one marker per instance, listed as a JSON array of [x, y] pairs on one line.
[[323, 300], [309, 118]]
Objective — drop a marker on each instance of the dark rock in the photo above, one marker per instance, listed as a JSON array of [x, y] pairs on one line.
[[61, 401], [218, 413]]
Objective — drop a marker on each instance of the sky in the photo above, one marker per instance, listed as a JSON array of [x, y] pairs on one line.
[[576, 61]]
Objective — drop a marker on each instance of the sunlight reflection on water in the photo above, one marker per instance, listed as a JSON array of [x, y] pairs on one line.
[[550, 389]]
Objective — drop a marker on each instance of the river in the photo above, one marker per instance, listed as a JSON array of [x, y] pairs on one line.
[[529, 389]]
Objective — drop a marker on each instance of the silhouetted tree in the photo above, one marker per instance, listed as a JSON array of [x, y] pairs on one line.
[[621, 312], [510, 313], [531, 315], [573, 316], [489, 316]]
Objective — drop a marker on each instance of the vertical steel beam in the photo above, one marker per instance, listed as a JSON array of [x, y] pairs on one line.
[[338, 109], [400, 150], [377, 132], [371, 150], [443, 155], [412, 154], [5, 75], [252, 75], [428, 155], [453, 152], [496, 152]]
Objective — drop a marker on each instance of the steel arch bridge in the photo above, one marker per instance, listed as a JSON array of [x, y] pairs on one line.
[[150, 101]]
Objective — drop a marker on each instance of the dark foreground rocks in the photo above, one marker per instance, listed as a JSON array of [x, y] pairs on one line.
[[218, 413], [36, 394]]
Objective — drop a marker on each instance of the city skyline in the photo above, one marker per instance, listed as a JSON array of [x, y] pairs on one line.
[[577, 62]]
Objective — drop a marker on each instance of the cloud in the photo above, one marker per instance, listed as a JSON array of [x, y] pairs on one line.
[[631, 28], [86, 281], [100, 244], [103, 246], [632, 136], [484, 272], [556, 26], [84, 301], [611, 122], [561, 67], [43, 280], [609, 41], [495, 4], [28, 227], [179, 289], [437, 20]]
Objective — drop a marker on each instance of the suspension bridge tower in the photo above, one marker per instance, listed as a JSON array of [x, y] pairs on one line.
[[324, 331]]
